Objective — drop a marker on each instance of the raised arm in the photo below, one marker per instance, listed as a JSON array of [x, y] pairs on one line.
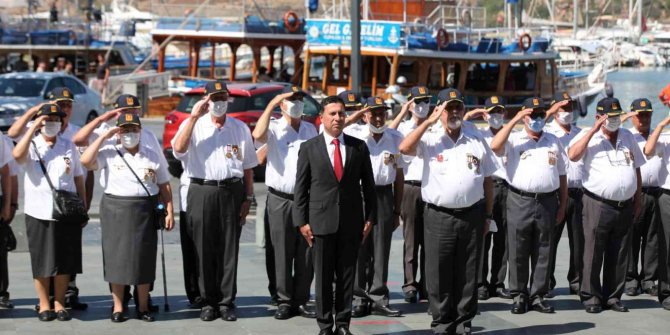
[[89, 159], [80, 139], [183, 139], [19, 126], [498, 142], [20, 151], [577, 150], [650, 146], [354, 117], [403, 111], [260, 133], [474, 114], [409, 144], [554, 109]]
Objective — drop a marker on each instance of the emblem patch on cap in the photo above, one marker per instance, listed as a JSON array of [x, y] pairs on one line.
[[615, 105], [129, 101], [494, 100], [536, 102], [54, 109], [643, 103], [295, 89], [66, 93], [378, 100], [351, 97], [422, 90], [129, 117], [566, 96], [452, 94], [217, 86]]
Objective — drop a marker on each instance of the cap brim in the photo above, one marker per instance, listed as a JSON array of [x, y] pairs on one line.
[[617, 113], [488, 109], [452, 100], [64, 99], [642, 110], [130, 124], [357, 104]]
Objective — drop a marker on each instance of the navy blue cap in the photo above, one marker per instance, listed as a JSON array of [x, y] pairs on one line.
[[561, 96], [61, 94], [494, 102], [49, 110], [641, 105], [533, 103], [449, 95], [128, 118], [127, 101], [375, 103], [418, 92], [609, 106], [218, 86], [297, 92], [350, 99]]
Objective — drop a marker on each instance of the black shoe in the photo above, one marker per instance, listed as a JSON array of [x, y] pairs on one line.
[[274, 300], [652, 291], [482, 293], [385, 311], [519, 307], [228, 313], [343, 331], [72, 299], [198, 303], [145, 316], [283, 312], [410, 296], [208, 313], [631, 291], [593, 309], [6, 303], [117, 317], [63, 315], [46, 316], [502, 293], [306, 312], [666, 304], [618, 307], [574, 290], [326, 332], [423, 295], [542, 307], [549, 294], [152, 308], [360, 311]]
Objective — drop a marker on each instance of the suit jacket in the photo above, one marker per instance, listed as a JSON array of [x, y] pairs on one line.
[[327, 205]]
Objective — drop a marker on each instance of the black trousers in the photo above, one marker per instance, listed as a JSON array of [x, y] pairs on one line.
[[496, 243], [334, 258], [644, 246], [293, 266], [4, 274], [664, 246], [214, 212], [453, 251], [269, 255], [373, 257], [573, 220], [606, 246], [189, 258], [413, 248], [529, 234]]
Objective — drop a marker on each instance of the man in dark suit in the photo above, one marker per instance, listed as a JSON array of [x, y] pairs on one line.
[[333, 180]]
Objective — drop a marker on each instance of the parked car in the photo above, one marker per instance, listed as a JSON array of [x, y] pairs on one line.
[[22, 90], [246, 103]]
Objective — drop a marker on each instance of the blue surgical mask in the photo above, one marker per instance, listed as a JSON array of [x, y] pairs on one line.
[[536, 125]]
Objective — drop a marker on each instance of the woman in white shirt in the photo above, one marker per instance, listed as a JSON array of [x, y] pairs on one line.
[[55, 246], [137, 184]]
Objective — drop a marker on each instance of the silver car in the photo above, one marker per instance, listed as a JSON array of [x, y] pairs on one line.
[[21, 90]]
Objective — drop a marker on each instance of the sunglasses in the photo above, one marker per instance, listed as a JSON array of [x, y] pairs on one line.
[[422, 100]]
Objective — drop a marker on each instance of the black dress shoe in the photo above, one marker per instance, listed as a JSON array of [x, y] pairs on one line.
[[208, 313], [152, 308], [117, 317], [542, 307], [63, 315], [343, 331], [6, 303], [360, 311], [593, 309], [618, 307], [306, 312], [652, 291], [72, 299], [631, 291], [503, 293], [145, 316], [326, 332], [519, 307], [549, 294], [228, 313], [410, 296], [46, 315], [482, 294], [385, 311], [574, 290], [283, 312], [198, 303]]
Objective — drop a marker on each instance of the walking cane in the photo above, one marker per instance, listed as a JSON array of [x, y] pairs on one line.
[[166, 306]]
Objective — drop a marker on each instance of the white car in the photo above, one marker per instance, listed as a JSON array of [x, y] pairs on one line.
[[21, 90]]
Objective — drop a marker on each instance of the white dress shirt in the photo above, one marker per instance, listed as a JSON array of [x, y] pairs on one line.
[[651, 169], [414, 168], [121, 181], [384, 154], [488, 136], [331, 149], [575, 169], [535, 166], [663, 151]]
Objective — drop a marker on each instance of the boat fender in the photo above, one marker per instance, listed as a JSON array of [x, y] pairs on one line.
[[582, 106], [291, 21], [442, 38], [525, 41]]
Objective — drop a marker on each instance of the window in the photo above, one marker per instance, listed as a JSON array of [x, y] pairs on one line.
[[74, 86], [54, 83], [10, 87]]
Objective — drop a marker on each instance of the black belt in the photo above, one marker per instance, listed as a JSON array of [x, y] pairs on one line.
[[665, 191], [384, 187], [531, 194], [613, 203], [574, 191], [225, 182], [452, 211], [280, 194], [413, 183], [651, 190]]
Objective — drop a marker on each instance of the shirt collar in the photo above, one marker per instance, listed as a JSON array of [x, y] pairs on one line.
[[329, 139], [210, 124]]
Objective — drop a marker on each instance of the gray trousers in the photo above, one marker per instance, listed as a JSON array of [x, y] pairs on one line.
[[530, 226], [453, 251], [413, 247], [606, 243], [189, 258], [373, 256], [664, 246], [498, 241], [644, 245], [573, 220], [293, 264]]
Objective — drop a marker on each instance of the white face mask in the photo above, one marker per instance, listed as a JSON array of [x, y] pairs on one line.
[[421, 110], [496, 121], [130, 140], [218, 108], [376, 130], [564, 118], [51, 128], [294, 108], [613, 123]]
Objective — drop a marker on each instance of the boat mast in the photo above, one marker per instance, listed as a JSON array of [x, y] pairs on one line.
[[574, 18]]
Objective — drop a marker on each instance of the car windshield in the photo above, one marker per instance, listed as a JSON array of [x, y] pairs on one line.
[[235, 103], [23, 87]]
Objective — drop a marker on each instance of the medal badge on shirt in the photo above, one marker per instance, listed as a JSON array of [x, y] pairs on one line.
[[150, 175], [553, 157], [628, 155], [391, 159], [473, 162], [524, 154], [68, 164], [233, 150]]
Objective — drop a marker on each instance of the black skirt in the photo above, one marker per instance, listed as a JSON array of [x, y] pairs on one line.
[[55, 247], [129, 239]]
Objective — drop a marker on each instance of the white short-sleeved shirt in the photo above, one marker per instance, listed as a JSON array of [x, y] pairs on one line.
[[535, 166], [218, 153], [413, 170], [610, 171], [663, 151], [184, 183], [384, 154], [488, 136], [651, 169], [6, 157], [121, 181], [453, 173], [575, 169], [282, 153], [62, 163]]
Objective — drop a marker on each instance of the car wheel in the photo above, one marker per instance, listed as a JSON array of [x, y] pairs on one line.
[[91, 116]]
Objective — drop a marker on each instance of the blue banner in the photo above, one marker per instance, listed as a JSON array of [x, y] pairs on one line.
[[380, 34]]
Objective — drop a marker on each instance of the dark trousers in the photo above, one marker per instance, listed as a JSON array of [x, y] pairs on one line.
[[644, 244], [189, 258], [334, 258], [4, 274], [498, 241], [664, 247], [373, 256], [269, 256], [530, 225], [413, 249], [453, 250], [293, 266], [606, 243], [214, 212], [573, 220]]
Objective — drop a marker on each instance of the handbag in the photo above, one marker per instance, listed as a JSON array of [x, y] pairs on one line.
[[7, 238], [67, 206], [159, 210]]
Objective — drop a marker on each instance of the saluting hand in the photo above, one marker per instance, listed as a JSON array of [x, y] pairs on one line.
[[111, 132], [280, 97], [39, 122], [306, 232], [366, 230], [113, 114], [554, 109], [627, 116], [405, 106], [600, 121], [475, 113], [437, 112], [522, 114], [201, 107], [665, 122]]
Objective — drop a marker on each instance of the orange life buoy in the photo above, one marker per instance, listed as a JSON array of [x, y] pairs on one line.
[[442, 38], [291, 21], [525, 41]]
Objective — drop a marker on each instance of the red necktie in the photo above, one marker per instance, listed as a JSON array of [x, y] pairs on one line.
[[337, 160]]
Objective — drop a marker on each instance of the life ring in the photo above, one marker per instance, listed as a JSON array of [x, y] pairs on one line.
[[525, 41], [466, 18], [442, 38], [291, 21]]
